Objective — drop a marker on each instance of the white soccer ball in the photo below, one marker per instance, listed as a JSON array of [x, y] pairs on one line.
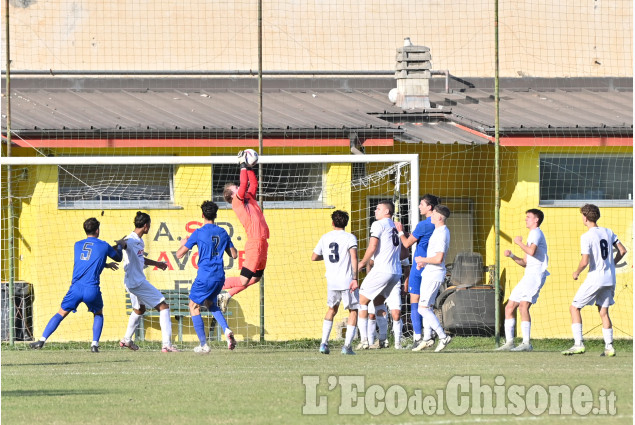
[[251, 157]]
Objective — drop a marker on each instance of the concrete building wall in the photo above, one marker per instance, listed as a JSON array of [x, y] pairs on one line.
[[545, 39]]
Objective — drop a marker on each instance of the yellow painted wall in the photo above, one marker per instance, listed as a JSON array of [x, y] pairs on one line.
[[562, 228], [295, 290]]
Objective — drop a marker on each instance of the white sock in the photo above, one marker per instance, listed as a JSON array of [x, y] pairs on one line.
[[525, 327], [350, 334], [228, 331], [608, 337], [427, 332], [362, 326], [166, 327], [416, 337], [372, 323], [133, 322], [431, 320], [95, 344], [397, 329], [382, 324], [327, 325], [510, 326], [577, 333]]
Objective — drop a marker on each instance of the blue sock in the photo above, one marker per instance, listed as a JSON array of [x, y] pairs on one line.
[[415, 317], [98, 325], [218, 315], [52, 325], [199, 327]]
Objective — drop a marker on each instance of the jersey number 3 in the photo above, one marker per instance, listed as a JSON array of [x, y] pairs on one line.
[[334, 257]]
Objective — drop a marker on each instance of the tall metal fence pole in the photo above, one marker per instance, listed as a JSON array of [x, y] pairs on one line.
[[260, 152], [9, 183], [497, 184]]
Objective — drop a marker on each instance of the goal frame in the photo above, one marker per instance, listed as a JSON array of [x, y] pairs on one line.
[[411, 159]]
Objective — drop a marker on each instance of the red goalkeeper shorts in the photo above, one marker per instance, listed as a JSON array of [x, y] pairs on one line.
[[256, 254]]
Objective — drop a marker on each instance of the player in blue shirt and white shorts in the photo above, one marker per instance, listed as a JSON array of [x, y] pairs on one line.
[[90, 259], [421, 235], [212, 241]]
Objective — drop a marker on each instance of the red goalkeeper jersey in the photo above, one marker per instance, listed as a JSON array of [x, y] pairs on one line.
[[248, 210]]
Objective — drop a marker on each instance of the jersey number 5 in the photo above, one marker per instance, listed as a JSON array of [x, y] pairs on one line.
[[86, 251], [335, 252]]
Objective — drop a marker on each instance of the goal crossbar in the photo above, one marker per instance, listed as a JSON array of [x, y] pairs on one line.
[[411, 159]]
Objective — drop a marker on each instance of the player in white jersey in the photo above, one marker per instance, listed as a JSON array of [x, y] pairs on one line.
[[525, 294], [378, 317], [143, 293], [433, 275], [340, 249], [385, 246], [599, 286]]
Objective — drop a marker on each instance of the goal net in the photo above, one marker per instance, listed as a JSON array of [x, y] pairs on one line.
[[299, 193], [551, 79]]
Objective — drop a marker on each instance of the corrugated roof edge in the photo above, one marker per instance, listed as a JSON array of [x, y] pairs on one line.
[[315, 84]]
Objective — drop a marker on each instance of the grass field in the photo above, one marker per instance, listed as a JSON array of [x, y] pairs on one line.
[[265, 386]]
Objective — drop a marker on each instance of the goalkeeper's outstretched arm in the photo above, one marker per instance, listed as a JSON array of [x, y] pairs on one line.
[[242, 189], [253, 182]]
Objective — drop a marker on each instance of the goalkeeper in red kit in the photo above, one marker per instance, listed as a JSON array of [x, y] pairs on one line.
[[243, 201]]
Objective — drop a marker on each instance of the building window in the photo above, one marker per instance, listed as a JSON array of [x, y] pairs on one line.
[[570, 180], [283, 185], [115, 186]]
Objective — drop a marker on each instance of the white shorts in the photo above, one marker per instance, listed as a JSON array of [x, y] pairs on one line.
[[528, 288], [590, 293], [428, 292], [377, 283], [393, 301], [146, 294], [349, 300]]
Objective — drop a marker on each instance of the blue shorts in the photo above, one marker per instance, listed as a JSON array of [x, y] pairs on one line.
[[414, 281], [87, 294], [205, 290]]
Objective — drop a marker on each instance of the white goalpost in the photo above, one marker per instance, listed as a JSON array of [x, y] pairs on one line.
[[299, 193]]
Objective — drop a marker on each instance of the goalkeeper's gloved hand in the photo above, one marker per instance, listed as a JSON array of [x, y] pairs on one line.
[[241, 159]]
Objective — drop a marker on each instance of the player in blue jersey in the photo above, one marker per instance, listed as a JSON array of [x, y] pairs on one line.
[[212, 242], [90, 260], [421, 235]]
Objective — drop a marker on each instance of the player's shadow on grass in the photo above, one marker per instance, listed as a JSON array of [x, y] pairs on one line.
[[242, 329], [61, 363], [50, 393]]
